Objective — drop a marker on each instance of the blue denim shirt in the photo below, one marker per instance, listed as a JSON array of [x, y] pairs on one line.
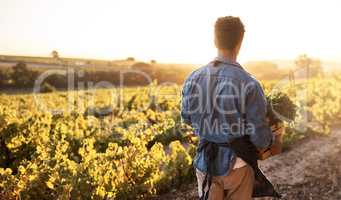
[[216, 102]]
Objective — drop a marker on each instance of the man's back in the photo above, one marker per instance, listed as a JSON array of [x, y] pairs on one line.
[[215, 98]]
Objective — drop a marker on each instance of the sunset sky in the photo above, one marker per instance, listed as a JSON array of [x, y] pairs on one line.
[[179, 31]]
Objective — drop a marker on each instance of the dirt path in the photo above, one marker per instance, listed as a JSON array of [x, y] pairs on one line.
[[311, 169]]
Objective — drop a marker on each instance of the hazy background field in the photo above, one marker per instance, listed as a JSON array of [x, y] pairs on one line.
[[18, 73]]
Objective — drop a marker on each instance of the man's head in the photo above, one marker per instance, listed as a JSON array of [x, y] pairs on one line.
[[229, 33]]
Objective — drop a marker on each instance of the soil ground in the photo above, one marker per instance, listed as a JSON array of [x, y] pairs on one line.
[[309, 170]]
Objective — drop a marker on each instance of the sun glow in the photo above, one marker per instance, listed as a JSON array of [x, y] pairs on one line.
[[169, 31]]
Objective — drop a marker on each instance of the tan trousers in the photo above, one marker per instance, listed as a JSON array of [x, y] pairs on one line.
[[238, 185]]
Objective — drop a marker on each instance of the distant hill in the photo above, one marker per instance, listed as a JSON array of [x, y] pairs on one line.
[[266, 69], [327, 65], [41, 63], [126, 72]]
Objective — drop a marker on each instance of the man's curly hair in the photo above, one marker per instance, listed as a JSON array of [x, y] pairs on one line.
[[228, 32]]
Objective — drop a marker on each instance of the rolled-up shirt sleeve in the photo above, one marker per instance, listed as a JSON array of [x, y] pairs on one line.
[[255, 110]]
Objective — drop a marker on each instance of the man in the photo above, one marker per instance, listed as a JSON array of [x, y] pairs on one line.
[[222, 102]]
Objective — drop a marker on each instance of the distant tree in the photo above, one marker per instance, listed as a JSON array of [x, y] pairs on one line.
[[132, 59], [19, 75], [142, 66], [153, 61], [4, 77], [313, 66], [22, 76], [55, 55], [146, 68], [303, 61]]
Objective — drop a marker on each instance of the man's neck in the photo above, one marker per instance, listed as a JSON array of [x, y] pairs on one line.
[[228, 55]]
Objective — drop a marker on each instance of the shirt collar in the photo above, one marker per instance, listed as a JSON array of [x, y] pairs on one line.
[[220, 58]]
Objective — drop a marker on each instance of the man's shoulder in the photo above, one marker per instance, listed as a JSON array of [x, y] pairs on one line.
[[250, 78], [236, 71], [196, 73]]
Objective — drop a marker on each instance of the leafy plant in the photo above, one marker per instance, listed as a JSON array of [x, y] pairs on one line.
[[280, 108]]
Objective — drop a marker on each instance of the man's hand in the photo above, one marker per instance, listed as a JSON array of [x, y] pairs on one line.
[[276, 147], [277, 129]]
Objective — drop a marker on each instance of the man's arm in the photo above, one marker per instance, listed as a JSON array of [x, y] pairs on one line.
[[185, 114], [255, 110]]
